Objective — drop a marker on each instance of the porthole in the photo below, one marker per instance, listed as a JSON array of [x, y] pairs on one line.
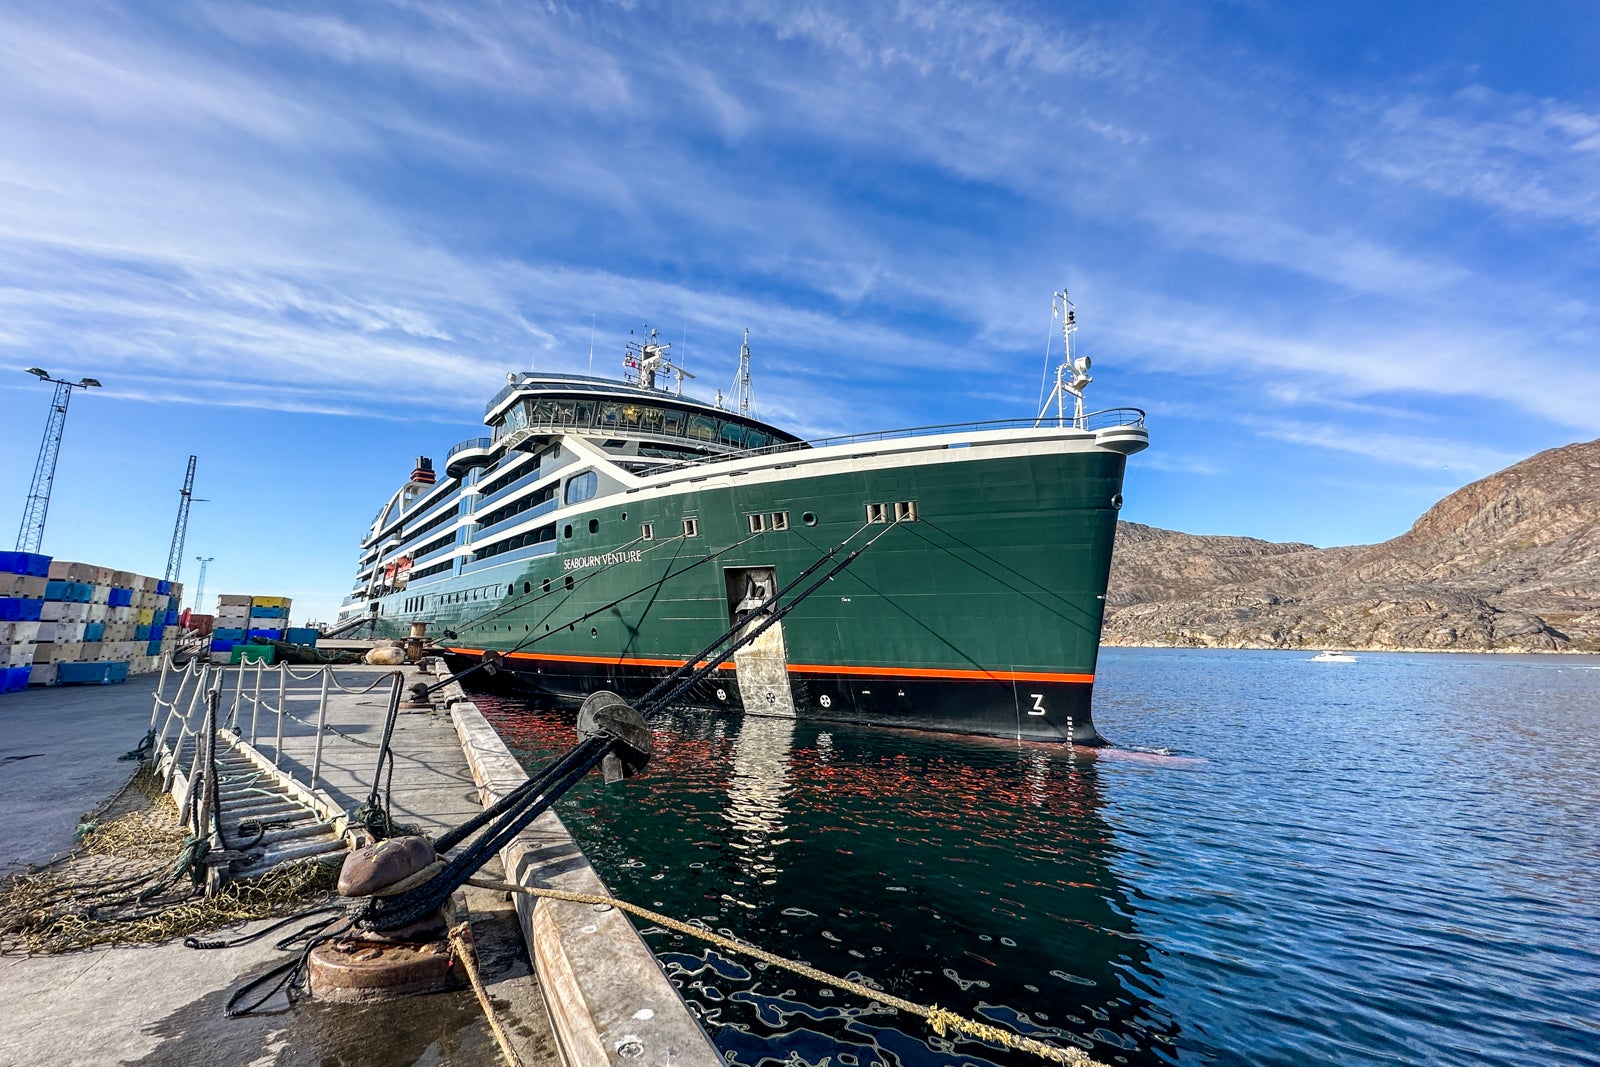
[[594, 525], [511, 590], [569, 581], [594, 631], [566, 531], [624, 516], [809, 519], [545, 586], [525, 627], [527, 587], [1116, 501]]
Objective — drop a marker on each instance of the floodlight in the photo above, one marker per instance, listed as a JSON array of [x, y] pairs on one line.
[[39, 373], [93, 383]]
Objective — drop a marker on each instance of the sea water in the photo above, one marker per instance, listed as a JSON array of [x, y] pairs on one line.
[[1284, 862]]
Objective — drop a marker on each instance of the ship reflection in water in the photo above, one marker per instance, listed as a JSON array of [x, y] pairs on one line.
[[973, 874]]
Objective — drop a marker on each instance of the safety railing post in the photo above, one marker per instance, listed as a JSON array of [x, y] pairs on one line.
[[183, 725], [283, 698], [161, 687], [322, 719], [255, 701]]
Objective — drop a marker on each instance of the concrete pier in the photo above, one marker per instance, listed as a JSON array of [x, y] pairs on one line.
[[163, 1004]]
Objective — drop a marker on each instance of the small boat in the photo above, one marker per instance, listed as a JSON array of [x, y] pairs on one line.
[[1333, 657]]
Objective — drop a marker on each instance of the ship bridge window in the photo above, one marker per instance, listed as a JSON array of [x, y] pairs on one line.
[[733, 434], [672, 423], [581, 487], [703, 428], [754, 438]]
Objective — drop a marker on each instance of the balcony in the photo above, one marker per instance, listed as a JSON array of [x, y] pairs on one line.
[[473, 452]]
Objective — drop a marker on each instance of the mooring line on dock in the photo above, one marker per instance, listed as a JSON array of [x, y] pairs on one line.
[[939, 1019]]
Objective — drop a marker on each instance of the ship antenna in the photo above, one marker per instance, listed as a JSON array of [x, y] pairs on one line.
[[1072, 374], [741, 381]]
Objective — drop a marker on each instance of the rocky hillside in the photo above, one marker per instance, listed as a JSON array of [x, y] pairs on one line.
[[1509, 563]]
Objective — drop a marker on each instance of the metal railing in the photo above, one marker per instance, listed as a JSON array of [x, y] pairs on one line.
[[1094, 420], [481, 443], [259, 690]]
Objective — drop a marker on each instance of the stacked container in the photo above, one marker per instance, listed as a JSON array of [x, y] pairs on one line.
[[98, 625], [241, 619], [24, 577]]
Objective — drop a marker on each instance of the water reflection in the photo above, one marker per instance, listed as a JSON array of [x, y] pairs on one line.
[[977, 875]]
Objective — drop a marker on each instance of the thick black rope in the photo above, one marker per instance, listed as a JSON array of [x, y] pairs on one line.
[[377, 813]]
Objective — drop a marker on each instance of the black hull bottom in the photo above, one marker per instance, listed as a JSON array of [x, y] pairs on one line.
[[1023, 710]]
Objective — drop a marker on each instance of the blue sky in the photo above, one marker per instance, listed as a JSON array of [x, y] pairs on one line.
[[1344, 254]]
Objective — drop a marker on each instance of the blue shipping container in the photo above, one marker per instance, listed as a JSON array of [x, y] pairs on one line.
[[92, 673]]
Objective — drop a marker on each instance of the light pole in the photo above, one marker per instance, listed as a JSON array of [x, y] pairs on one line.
[[200, 584], [31, 534]]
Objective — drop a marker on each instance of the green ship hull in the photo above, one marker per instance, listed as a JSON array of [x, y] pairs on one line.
[[975, 606]]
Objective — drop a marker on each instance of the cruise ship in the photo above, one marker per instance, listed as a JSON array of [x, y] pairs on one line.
[[603, 532]]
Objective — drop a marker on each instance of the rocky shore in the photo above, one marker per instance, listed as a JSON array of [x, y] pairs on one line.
[[1510, 563]]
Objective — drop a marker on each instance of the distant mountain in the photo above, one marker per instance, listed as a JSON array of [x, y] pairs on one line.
[[1509, 563]]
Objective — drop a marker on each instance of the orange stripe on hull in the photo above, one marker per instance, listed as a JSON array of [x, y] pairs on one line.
[[814, 668]]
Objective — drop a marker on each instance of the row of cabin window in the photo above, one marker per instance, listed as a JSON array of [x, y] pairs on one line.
[[609, 415]]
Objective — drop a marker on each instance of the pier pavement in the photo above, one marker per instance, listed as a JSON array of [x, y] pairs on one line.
[[163, 1004]]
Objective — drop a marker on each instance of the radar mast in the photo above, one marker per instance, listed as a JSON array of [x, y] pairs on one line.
[[644, 360], [1072, 374]]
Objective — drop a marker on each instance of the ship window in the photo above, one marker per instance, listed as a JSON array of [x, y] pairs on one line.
[[754, 438], [594, 525], [905, 511], [581, 487], [809, 519], [691, 527], [778, 520], [877, 513], [527, 587], [566, 531], [672, 422], [733, 434], [569, 581], [610, 415], [758, 522], [583, 412], [647, 531], [511, 590], [545, 586], [703, 428]]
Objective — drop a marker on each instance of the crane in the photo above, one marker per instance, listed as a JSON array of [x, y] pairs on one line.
[[200, 586], [180, 529], [31, 534]]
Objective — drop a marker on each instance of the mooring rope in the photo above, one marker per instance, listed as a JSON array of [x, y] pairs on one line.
[[941, 1020], [467, 954]]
